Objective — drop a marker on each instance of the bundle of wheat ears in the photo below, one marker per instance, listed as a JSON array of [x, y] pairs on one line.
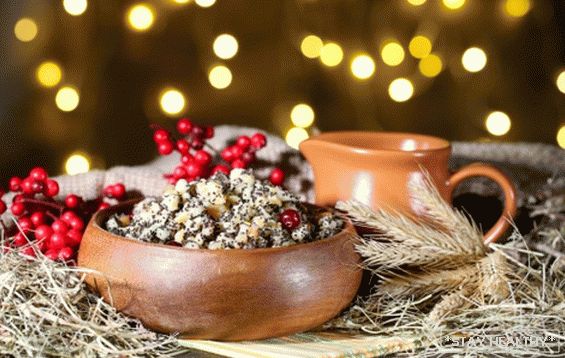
[[436, 280]]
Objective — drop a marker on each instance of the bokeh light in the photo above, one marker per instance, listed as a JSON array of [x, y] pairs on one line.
[[220, 77], [331, 54], [416, 2], [225, 46], [25, 29], [517, 8], [474, 59], [48, 74], [172, 101], [430, 66], [182, 1], [392, 53], [453, 4], [295, 136], [205, 3], [561, 137], [401, 90], [77, 163], [420, 46], [498, 123], [362, 66], [140, 17], [302, 115], [67, 99], [311, 46], [560, 82], [75, 7]]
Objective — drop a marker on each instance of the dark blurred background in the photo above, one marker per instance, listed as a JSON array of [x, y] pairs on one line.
[[83, 79]]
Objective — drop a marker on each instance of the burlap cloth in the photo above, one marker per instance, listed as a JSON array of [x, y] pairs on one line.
[[529, 165]]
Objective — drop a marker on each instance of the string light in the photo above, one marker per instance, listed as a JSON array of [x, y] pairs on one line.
[[205, 3], [498, 123], [75, 7], [331, 54], [220, 77], [140, 17], [420, 46], [416, 2], [401, 90], [561, 137], [362, 66], [392, 53], [295, 136], [172, 101], [25, 29], [474, 59], [182, 1], [67, 99], [453, 4], [517, 8], [430, 66], [77, 163], [48, 74], [560, 82], [302, 115], [225, 46], [311, 46]]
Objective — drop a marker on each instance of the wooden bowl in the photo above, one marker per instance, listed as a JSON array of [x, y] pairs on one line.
[[222, 294]]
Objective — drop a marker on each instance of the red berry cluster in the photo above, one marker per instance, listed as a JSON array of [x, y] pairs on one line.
[[48, 226], [197, 162]]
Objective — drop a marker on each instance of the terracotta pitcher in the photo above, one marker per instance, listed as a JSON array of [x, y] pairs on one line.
[[377, 167]]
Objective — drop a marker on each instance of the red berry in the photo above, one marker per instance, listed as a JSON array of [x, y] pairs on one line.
[[17, 209], [172, 180], [37, 186], [59, 226], [66, 253], [236, 151], [74, 237], [43, 232], [238, 163], [185, 159], [243, 142], [2, 207], [38, 174], [15, 183], [28, 251], [160, 135], [208, 132], [27, 186], [37, 219], [227, 155], [221, 168], [103, 206], [197, 132], [77, 223], [52, 254], [184, 126], [51, 188], [165, 147], [248, 157], [73, 201], [19, 198], [179, 172], [68, 216], [290, 219], [258, 140], [197, 144], [277, 176], [25, 224], [194, 170], [118, 191], [57, 241], [182, 146], [42, 245], [19, 240], [203, 157]]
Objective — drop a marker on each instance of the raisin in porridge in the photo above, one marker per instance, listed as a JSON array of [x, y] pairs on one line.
[[226, 212]]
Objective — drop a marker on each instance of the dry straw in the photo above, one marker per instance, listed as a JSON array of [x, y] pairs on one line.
[[438, 282]]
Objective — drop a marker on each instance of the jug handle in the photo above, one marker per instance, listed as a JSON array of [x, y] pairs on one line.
[[484, 170]]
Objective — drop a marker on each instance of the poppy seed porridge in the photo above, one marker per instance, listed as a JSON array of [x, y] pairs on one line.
[[226, 212]]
